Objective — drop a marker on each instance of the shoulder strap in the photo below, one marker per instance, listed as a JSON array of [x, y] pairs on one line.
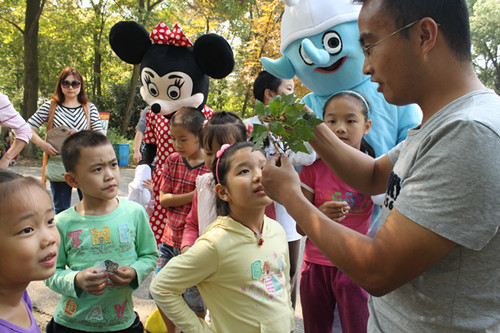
[[87, 114], [52, 111]]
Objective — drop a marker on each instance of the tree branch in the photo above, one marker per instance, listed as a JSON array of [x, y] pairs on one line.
[[14, 24]]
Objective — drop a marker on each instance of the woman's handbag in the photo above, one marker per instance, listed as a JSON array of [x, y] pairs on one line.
[[56, 136]]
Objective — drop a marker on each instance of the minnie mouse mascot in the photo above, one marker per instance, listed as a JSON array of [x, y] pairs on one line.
[[174, 73]]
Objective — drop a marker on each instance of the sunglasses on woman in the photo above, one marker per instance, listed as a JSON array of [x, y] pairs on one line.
[[74, 84]]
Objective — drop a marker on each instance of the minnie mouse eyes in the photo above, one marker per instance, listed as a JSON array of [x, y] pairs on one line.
[[174, 90], [153, 90]]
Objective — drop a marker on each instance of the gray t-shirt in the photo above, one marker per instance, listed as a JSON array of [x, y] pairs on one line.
[[446, 178], [141, 124]]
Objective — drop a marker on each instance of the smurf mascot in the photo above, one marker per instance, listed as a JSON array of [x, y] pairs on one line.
[[319, 43], [174, 73]]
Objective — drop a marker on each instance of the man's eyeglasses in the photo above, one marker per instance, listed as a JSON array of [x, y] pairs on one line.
[[75, 84], [367, 48]]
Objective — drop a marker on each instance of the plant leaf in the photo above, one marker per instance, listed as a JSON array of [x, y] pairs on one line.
[[297, 145], [304, 133], [277, 128]]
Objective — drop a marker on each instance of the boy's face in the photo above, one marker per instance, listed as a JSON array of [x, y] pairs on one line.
[[97, 173], [29, 239], [185, 142]]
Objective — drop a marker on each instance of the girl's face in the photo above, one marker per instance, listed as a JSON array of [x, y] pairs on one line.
[[243, 188], [211, 153], [345, 118], [72, 90], [29, 240]]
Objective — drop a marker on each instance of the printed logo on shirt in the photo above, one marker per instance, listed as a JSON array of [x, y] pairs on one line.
[[70, 307], [75, 237], [393, 190], [98, 235], [357, 201], [267, 283], [122, 229], [120, 309], [95, 313]]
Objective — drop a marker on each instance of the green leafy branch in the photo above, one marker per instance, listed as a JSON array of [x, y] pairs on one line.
[[287, 125]]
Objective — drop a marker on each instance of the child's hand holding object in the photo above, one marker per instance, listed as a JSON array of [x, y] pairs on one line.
[[335, 210], [122, 276], [92, 281]]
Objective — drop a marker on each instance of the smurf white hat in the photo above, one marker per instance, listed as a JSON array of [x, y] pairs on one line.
[[303, 18]]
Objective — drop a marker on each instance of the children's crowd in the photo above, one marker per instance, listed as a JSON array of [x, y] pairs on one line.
[[221, 248]]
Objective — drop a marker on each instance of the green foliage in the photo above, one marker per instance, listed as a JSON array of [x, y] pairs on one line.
[[115, 101], [485, 27], [287, 124]]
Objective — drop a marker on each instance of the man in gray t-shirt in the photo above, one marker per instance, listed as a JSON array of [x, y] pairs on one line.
[[434, 265]]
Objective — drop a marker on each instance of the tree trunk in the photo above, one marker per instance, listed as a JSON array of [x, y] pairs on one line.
[[97, 69], [30, 96], [245, 103], [130, 99]]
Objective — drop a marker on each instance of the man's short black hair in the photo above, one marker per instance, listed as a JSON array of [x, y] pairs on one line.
[[70, 151], [265, 80], [452, 16]]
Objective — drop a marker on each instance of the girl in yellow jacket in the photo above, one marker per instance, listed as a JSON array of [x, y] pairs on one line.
[[240, 264]]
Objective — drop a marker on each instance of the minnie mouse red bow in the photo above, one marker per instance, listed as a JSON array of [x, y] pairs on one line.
[[161, 34]]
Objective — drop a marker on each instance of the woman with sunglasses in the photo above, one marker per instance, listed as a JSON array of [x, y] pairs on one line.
[[70, 107]]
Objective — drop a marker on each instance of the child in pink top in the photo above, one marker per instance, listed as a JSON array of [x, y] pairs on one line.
[[322, 285], [11, 118]]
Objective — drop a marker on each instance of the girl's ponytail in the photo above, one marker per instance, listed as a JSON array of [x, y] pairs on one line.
[[367, 148]]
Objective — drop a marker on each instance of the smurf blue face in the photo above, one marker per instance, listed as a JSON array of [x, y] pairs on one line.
[[329, 61]]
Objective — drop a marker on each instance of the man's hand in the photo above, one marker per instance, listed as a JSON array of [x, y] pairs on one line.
[[280, 179], [91, 281], [122, 276]]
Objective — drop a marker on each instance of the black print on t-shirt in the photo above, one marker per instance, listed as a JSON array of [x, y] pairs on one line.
[[393, 189]]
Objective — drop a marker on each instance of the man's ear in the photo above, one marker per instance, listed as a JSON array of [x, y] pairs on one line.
[[71, 179], [222, 193], [428, 30]]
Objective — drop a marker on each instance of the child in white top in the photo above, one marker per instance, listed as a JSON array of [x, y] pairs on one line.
[[223, 128]]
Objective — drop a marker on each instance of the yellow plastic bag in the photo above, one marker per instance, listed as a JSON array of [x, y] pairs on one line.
[[155, 323]]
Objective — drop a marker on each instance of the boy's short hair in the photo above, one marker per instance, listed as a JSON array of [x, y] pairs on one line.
[[265, 80], [70, 151], [190, 118]]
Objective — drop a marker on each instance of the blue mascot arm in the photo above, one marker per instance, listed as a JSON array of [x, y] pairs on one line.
[[281, 68], [410, 116]]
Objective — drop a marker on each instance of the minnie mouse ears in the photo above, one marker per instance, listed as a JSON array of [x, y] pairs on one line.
[[130, 41], [214, 55]]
